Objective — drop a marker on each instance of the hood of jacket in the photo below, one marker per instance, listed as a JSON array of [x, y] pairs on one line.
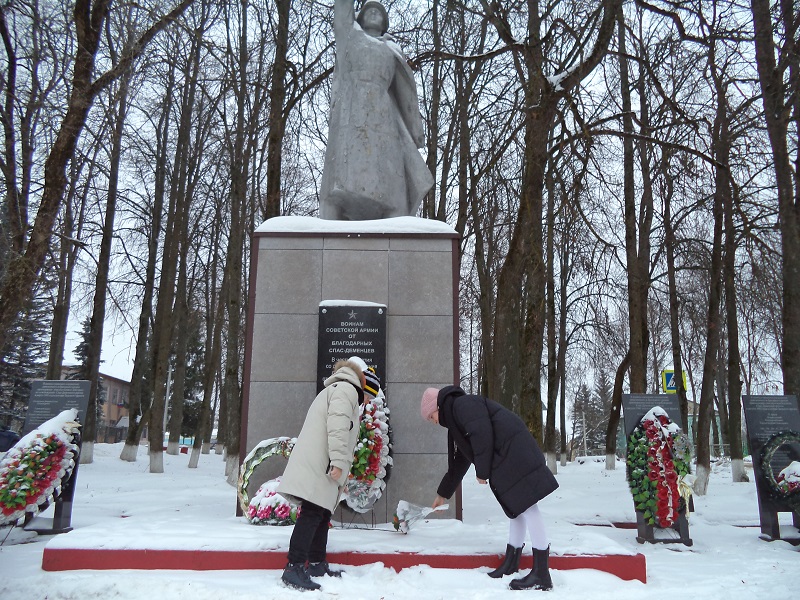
[[350, 376], [445, 402]]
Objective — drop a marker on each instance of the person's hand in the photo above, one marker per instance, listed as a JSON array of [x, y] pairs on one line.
[[335, 473], [438, 502], [481, 481]]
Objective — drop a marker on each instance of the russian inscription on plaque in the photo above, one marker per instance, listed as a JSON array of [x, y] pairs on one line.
[[49, 397], [346, 330], [767, 416], [636, 406]]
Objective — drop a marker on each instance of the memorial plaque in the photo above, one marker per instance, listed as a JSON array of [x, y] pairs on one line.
[[49, 397], [636, 406], [346, 330], [765, 416]]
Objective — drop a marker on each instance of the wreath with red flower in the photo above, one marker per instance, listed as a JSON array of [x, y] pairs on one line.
[[34, 470], [371, 459], [786, 486], [267, 507], [659, 458]]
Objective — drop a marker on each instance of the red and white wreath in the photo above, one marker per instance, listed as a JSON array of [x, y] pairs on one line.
[[371, 459], [658, 464], [33, 471]]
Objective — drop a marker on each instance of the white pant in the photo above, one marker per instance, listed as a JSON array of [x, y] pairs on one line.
[[531, 520]]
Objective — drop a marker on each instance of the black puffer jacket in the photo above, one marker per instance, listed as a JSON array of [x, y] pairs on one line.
[[494, 439]]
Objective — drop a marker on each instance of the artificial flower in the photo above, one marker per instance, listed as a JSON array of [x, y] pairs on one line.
[[658, 458]]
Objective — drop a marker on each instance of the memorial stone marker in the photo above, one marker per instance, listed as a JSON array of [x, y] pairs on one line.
[[636, 406], [766, 416], [345, 330], [48, 399]]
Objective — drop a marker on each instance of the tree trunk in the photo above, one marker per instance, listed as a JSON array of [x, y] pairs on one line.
[[674, 308], [637, 265], [181, 317], [277, 99], [214, 324], [97, 322], [706, 409], [68, 256], [734, 358], [616, 406], [176, 215], [777, 89], [514, 363], [233, 270], [552, 353], [140, 396], [429, 202], [722, 393]]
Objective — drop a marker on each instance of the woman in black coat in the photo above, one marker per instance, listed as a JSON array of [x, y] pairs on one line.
[[506, 456]]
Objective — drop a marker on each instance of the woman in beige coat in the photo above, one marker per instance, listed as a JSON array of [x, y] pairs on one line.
[[318, 468]]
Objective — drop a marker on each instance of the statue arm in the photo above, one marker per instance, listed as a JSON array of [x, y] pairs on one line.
[[404, 89], [343, 18]]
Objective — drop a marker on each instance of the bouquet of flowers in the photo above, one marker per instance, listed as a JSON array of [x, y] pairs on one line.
[[407, 514], [658, 462], [789, 479], [33, 471], [268, 507], [371, 460]]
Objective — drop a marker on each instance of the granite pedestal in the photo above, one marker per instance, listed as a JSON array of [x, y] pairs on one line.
[[409, 265]]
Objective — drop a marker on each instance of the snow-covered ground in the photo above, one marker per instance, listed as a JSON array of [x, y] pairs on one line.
[[194, 508]]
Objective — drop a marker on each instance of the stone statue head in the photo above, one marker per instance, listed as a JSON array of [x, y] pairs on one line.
[[376, 5]]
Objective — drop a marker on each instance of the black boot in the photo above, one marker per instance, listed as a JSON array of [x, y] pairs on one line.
[[322, 568], [294, 575], [539, 577], [510, 562]]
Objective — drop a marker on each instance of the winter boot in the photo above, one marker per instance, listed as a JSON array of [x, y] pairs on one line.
[[539, 577], [294, 575], [322, 568], [510, 563]]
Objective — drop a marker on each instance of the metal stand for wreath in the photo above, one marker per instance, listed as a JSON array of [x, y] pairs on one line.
[[647, 532], [352, 519]]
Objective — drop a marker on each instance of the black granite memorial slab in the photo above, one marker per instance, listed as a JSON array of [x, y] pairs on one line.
[[51, 397], [346, 330], [48, 399], [636, 406], [767, 416]]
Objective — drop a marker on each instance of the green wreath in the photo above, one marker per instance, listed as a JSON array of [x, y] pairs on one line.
[[790, 497], [272, 447]]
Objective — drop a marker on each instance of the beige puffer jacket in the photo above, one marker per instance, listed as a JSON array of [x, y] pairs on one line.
[[328, 439]]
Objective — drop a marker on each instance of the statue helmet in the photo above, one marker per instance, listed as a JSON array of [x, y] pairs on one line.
[[380, 7]]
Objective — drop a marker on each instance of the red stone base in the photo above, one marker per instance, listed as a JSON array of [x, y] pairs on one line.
[[626, 567]]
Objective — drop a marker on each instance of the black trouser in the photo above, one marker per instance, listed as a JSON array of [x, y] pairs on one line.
[[310, 536]]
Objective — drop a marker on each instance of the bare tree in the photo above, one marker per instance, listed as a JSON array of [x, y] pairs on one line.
[[515, 360], [20, 277]]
